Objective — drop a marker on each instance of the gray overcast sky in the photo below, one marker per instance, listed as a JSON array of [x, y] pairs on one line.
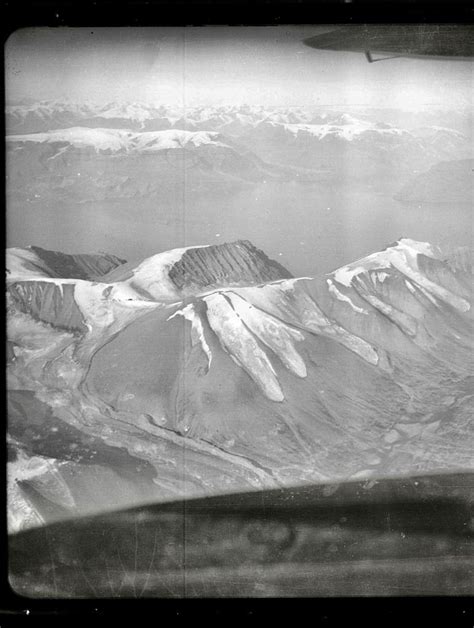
[[214, 65]]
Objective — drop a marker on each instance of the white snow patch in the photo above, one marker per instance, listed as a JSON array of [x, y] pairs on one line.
[[81, 137], [27, 468], [407, 264], [240, 344], [151, 141], [382, 260], [197, 330], [382, 276], [288, 284], [94, 305], [301, 311], [272, 332], [345, 274], [400, 318], [314, 319], [403, 257], [427, 294], [24, 265], [342, 297], [346, 127], [419, 247], [132, 111]]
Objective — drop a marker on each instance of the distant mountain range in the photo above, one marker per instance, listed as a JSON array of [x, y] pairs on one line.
[[35, 117], [211, 369], [135, 150], [82, 164]]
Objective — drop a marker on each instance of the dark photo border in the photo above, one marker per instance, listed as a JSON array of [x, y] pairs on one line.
[[15, 610]]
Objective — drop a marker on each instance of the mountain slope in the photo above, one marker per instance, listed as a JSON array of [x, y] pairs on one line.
[[219, 372]]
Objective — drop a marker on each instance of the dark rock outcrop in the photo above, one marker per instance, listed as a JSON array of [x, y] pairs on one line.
[[77, 266], [225, 264], [49, 303]]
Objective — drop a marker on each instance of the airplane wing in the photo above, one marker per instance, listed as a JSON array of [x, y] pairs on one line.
[[444, 41]]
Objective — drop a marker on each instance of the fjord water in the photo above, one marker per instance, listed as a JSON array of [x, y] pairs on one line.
[[317, 229], [310, 229]]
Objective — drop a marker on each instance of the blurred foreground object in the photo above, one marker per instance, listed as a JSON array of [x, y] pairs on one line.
[[406, 536]]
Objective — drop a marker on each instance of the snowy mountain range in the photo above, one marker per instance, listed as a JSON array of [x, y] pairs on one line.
[[34, 117], [47, 115], [262, 379], [236, 143], [81, 164]]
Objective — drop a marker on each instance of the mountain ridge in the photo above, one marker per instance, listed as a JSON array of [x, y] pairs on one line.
[[285, 381]]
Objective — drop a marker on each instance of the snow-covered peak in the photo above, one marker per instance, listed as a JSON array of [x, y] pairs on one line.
[[404, 248], [133, 111], [345, 127], [81, 137], [121, 140], [151, 141], [345, 119], [401, 258]]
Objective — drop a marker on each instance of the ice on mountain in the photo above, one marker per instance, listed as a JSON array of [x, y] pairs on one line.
[[342, 297], [197, 331], [403, 256], [274, 334], [236, 340]]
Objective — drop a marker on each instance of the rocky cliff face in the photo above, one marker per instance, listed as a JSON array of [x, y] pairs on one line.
[[239, 263], [48, 302], [218, 371], [35, 262], [42, 283], [77, 266]]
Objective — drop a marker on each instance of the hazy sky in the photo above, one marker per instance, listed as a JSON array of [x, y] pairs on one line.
[[209, 65]]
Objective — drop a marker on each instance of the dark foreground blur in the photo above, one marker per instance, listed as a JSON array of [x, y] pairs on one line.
[[410, 536]]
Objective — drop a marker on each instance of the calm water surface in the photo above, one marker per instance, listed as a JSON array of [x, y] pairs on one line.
[[307, 228]]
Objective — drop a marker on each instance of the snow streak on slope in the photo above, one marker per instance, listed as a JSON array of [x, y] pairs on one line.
[[290, 302], [274, 334], [342, 297], [241, 345], [275, 316], [239, 325], [197, 331]]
